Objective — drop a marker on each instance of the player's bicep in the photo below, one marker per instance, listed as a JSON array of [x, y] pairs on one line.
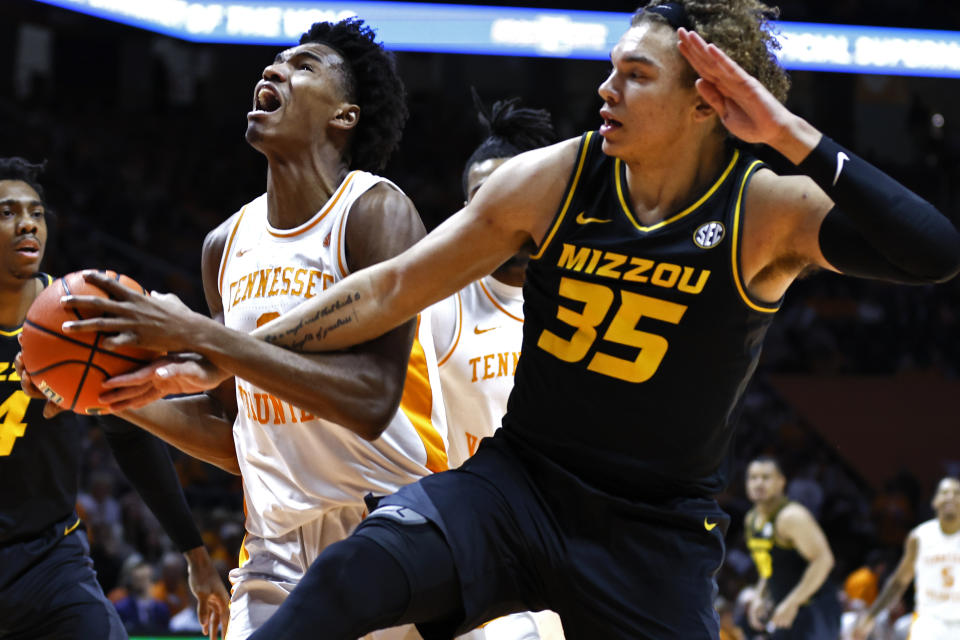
[[905, 570], [515, 206], [211, 257], [798, 525]]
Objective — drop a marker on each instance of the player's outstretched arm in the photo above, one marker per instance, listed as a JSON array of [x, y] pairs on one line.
[[798, 526], [892, 590], [514, 206], [147, 465], [845, 215]]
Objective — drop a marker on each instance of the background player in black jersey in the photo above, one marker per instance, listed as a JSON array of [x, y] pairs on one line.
[[794, 597], [48, 588], [663, 252]]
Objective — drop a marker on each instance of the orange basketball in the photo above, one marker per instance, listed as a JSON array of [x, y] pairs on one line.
[[70, 370]]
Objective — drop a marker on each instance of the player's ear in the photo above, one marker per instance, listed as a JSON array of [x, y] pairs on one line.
[[702, 110], [346, 117]]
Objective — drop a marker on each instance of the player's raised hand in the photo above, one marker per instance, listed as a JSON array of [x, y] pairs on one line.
[[213, 603], [158, 321], [26, 383], [179, 374], [746, 108]]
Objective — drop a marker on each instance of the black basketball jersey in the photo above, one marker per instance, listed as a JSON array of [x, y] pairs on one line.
[[638, 341], [781, 566], [39, 458]]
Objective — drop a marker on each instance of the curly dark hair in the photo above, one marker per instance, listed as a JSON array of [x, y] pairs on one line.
[[16, 168], [741, 28], [510, 130], [370, 80]]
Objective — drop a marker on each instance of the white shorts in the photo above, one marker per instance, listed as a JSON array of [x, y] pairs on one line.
[[930, 628], [528, 625], [274, 566]]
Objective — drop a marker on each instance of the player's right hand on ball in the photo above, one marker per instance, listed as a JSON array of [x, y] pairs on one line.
[[179, 374], [26, 383]]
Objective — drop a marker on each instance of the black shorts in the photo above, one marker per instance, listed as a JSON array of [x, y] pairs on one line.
[[49, 591], [526, 535], [818, 620]]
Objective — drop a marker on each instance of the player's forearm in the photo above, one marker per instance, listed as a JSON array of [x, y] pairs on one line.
[[812, 579], [193, 425], [892, 592], [359, 308], [878, 228], [358, 389]]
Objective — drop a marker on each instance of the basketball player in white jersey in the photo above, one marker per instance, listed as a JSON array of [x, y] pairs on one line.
[[478, 331], [931, 558], [312, 436]]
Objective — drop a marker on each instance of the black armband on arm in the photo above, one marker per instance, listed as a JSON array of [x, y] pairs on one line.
[[146, 462], [910, 240]]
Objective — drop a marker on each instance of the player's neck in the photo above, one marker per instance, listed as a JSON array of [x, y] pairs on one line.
[[16, 296], [664, 182], [296, 190], [766, 508], [949, 525]]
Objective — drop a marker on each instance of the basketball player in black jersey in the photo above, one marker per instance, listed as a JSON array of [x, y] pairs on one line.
[[663, 251], [48, 588], [795, 598]]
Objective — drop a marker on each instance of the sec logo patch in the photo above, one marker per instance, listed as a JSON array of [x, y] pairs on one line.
[[709, 235]]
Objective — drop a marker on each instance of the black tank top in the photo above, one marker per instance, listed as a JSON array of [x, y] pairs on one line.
[[39, 458], [638, 341], [781, 566]]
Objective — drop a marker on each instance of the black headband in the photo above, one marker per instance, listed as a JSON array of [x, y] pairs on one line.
[[675, 14]]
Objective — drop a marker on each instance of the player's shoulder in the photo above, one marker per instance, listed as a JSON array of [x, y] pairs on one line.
[[793, 514], [924, 529], [383, 199], [217, 238]]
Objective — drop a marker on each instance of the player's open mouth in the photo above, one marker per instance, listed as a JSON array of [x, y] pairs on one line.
[[267, 99], [609, 124], [27, 247]]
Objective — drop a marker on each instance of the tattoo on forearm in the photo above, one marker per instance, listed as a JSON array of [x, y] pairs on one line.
[[303, 332]]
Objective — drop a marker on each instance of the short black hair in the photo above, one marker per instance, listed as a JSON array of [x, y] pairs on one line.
[[16, 168], [370, 79], [768, 459], [509, 129]]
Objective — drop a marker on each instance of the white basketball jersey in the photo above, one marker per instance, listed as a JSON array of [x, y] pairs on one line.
[[296, 465], [479, 331], [937, 573]]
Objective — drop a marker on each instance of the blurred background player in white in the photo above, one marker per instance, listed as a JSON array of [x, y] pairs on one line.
[[312, 435], [795, 598], [478, 331], [931, 556]]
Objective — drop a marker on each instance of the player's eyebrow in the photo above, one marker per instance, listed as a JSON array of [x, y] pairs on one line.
[[303, 52], [13, 201]]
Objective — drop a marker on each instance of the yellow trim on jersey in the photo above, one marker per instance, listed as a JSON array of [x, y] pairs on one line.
[[417, 405], [71, 528], [226, 249], [626, 208], [244, 554], [736, 242], [456, 339], [566, 204], [330, 204], [497, 304]]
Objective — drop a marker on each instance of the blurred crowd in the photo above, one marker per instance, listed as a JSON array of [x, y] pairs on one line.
[[136, 180]]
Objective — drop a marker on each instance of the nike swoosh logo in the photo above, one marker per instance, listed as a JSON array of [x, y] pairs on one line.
[[841, 158], [582, 219], [477, 330], [708, 526], [67, 530], [240, 252]]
